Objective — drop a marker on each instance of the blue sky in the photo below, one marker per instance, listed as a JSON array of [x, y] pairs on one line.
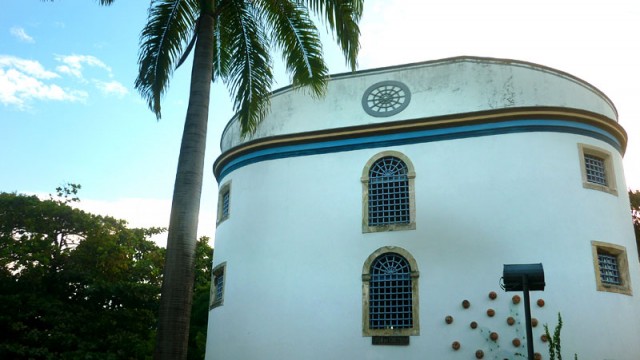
[[69, 112]]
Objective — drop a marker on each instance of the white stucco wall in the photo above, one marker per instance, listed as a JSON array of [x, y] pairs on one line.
[[294, 249]]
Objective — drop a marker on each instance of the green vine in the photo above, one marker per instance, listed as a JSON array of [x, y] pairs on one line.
[[554, 341]]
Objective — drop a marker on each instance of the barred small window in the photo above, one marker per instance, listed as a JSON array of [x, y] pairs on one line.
[[609, 273], [217, 286], [389, 192], [595, 168], [390, 293], [225, 204]]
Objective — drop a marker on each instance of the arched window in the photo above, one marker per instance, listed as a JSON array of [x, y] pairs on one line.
[[390, 299], [389, 194], [390, 293]]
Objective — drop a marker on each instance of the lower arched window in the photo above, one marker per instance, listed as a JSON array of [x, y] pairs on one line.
[[390, 298], [390, 304]]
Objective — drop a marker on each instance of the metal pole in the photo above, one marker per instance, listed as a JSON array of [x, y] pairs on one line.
[[527, 315]]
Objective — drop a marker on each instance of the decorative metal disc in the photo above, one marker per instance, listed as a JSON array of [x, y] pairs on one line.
[[386, 98]]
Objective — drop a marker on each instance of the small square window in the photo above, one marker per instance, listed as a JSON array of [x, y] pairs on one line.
[[224, 202], [611, 268], [216, 296], [597, 169]]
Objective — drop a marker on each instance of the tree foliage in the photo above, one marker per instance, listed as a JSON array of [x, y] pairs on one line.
[[200, 306], [75, 285], [245, 36]]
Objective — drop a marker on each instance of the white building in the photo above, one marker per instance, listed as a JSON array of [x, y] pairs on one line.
[[352, 226]]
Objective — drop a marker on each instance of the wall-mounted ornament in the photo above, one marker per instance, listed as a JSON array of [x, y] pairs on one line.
[[386, 98], [516, 342]]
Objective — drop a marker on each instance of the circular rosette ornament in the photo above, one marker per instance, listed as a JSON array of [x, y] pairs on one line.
[[386, 98]]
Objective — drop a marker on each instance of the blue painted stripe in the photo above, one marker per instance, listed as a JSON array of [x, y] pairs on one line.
[[420, 136]]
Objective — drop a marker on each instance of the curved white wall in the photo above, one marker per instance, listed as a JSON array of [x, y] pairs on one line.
[[294, 247]]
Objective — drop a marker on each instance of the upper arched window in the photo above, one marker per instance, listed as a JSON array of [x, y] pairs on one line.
[[388, 192], [388, 188]]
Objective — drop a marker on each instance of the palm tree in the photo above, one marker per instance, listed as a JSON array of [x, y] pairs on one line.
[[233, 43]]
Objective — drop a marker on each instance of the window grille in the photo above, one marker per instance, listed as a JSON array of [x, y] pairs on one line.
[[216, 295], [609, 273], [388, 192], [595, 168], [225, 204], [219, 285], [390, 294]]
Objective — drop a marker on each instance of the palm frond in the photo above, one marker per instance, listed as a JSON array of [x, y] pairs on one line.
[[246, 63], [342, 16], [297, 37], [221, 54], [101, 2], [161, 42], [187, 50]]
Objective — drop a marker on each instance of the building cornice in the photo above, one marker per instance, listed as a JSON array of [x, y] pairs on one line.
[[483, 123]]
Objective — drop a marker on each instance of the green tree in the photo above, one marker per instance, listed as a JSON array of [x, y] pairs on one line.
[[74, 285], [200, 306], [233, 40]]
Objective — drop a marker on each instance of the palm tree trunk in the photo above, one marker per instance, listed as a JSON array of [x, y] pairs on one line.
[[177, 286]]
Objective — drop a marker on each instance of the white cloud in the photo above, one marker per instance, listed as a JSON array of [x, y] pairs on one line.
[[22, 80], [29, 67], [111, 88], [22, 35], [73, 64]]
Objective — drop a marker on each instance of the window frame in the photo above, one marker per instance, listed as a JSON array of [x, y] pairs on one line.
[[225, 189], [620, 253], [415, 307], [411, 174], [609, 171], [219, 271]]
